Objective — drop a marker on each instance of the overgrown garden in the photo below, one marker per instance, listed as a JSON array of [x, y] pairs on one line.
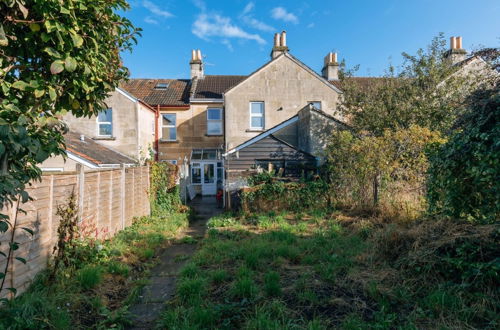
[[398, 229]]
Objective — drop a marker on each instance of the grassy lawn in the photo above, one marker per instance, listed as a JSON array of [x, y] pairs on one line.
[[103, 280], [328, 270]]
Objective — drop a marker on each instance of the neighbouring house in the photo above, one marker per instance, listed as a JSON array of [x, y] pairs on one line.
[[221, 128], [86, 152], [127, 125]]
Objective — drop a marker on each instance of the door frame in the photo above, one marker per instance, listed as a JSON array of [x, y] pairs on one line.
[[202, 183]]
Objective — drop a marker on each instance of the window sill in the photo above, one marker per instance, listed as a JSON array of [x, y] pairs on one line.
[[254, 130], [209, 135], [105, 138], [168, 141]]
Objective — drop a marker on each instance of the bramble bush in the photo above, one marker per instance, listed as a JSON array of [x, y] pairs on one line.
[[464, 175], [164, 191]]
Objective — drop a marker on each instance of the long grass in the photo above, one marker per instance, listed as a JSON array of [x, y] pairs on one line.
[[95, 291], [324, 270]]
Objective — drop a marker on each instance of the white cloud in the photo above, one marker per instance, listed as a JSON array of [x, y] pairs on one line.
[[200, 4], [247, 18], [310, 25], [151, 20], [154, 9], [214, 25], [228, 44], [281, 13], [248, 8]]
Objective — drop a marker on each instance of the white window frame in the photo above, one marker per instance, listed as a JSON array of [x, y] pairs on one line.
[[257, 115], [215, 121], [169, 126], [320, 104], [99, 123]]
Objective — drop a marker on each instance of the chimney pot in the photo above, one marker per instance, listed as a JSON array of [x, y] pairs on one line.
[[331, 68], [283, 39], [276, 40], [196, 64], [459, 42], [193, 55], [453, 43], [198, 54]]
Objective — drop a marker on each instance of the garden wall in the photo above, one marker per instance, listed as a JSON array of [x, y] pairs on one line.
[[107, 200]]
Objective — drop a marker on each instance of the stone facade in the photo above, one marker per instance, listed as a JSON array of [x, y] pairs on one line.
[[133, 126], [285, 86], [191, 132]]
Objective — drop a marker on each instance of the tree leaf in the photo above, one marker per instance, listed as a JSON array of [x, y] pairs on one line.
[[2, 275], [39, 93], [21, 260], [52, 52], [3, 254], [70, 64], [57, 67], [3, 226], [23, 9], [35, 27], [77, 40], [28, 230], [21, 85], [14, 246], [52, 94], [3, 38]]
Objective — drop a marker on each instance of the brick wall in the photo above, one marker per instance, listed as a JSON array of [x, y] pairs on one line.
[[108, 200]]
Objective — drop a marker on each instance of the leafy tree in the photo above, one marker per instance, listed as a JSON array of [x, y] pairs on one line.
[[425, 92], [464, 176], [55, 56]]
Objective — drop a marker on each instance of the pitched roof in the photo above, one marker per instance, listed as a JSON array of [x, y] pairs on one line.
[[296, 61], [94, 152], [176, 93], [213, 86]]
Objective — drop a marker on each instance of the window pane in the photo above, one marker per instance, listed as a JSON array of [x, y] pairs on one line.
[[209, 173], [196, 154], [257, 107], [220, 174], [316, 104], [209, 154], [257, 122], [214, 114], [105, 116], [214, 127], [195, 175], [169, 133], [169, 119], [105, 129]]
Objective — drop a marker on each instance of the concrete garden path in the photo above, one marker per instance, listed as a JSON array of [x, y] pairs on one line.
[[161, 287]]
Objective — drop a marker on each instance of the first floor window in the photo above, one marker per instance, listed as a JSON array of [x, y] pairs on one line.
[[169, 128], [214, 121], [105, 122], [257, 115]]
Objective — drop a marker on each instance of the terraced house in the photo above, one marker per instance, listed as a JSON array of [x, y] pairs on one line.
[[221, 128]]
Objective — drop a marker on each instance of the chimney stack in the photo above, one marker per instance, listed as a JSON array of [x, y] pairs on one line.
[[331, 67], [280, 46], [456, 53], [196, 64]]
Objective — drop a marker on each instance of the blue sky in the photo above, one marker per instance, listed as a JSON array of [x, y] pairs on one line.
[[236, 36]]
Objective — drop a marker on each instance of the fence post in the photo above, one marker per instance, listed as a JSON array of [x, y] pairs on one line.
[[122, 195], [81, 186]]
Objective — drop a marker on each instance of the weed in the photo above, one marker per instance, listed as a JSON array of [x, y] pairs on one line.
[[190, 290], [272, 286], [244, 287], [190, 271], [89, 277], [118, 268], [218, 276]]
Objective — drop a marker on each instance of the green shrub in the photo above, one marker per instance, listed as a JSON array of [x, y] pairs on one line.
[[89, 276], [244, 287], [464, 176]]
